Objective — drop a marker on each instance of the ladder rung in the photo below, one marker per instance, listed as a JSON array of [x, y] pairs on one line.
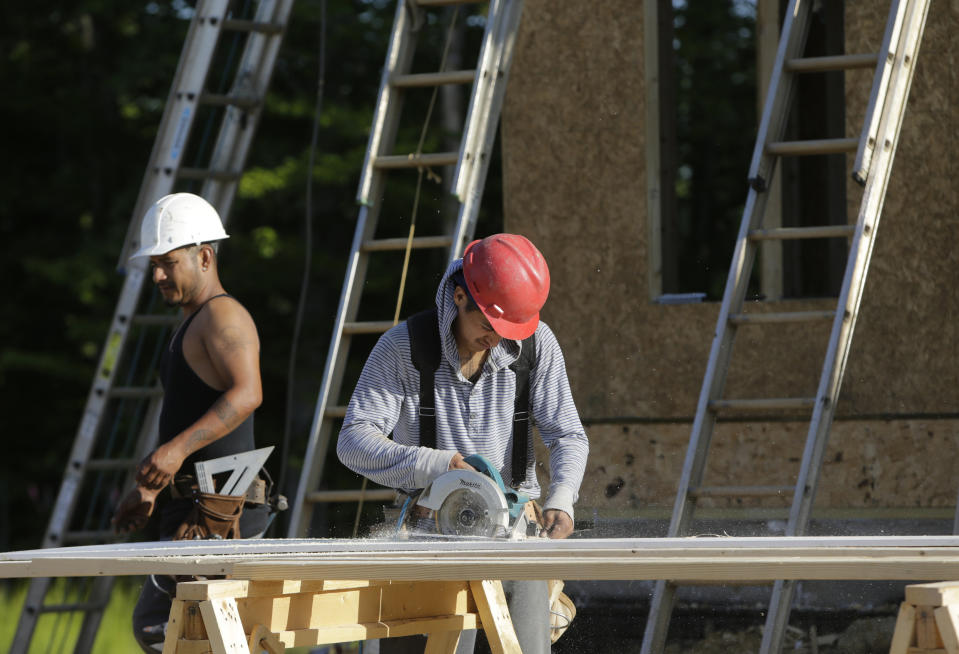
[[375, 494], [371, 327], [135, 392], [742, 491], [399, 244], [840, 62], [415, 161], [71, 608], [335, 412], [238, 25], [781, 317], [764, 403], [792, 233], [111, 464], [156, 320], [223, 100], [433, 79], [204, 174], [812, 146]]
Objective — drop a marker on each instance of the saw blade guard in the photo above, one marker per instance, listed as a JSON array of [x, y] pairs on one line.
[[466, 502], [515, 500]]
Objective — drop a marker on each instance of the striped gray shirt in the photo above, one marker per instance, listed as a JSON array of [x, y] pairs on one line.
[[470, 418]]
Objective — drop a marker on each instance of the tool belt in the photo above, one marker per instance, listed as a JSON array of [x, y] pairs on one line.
[[213, 515]]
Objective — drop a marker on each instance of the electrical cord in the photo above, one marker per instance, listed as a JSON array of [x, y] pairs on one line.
[[308, 247]]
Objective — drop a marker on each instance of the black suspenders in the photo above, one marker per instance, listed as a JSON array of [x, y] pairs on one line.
[[425, 352]]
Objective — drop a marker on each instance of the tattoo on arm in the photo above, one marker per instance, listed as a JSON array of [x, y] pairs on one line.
[[199, 438], [225, 412]]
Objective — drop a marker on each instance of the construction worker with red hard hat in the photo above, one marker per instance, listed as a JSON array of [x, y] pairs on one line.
[[489, 342]]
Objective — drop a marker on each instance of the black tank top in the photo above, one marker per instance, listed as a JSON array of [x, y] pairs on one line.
[[186, 397]]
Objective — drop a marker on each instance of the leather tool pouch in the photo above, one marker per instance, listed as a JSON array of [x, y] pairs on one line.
[[212, 516]]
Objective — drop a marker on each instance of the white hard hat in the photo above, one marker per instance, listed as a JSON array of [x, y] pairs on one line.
[[178, 220]]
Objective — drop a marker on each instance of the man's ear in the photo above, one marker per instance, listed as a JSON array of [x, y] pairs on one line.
[[207, 256], [459, 296]]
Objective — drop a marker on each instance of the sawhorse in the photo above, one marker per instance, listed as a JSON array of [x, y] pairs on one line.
[[928, 621], [231, 616]]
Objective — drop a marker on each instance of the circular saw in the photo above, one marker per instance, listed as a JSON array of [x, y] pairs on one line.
[[476, 503]]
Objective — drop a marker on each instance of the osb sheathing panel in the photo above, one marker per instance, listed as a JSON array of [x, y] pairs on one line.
[[868, 463], [575, 183]]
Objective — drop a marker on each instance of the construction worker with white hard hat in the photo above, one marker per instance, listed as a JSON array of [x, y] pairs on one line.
[[486, 320], [210, 374]]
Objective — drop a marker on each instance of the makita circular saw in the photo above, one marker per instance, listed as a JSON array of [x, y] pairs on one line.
[[473, 503]]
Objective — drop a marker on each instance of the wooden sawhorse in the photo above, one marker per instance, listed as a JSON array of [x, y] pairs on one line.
[[928, 621], [231, 616]]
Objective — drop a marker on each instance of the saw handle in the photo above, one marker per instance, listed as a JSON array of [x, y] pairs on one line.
[[483, 465]]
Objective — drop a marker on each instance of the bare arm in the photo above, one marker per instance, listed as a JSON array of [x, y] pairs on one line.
[[232, 347]]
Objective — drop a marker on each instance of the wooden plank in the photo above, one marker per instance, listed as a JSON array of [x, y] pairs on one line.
[[947, 619], [904, 635], [927, 633], [491, 604], [211, 589], [936, 594], [222, 621], [174, 627], [680, 568], [280, 546]]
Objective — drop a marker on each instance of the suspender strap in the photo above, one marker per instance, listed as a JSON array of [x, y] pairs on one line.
[[425, 352], [522, 368], [424, 334]]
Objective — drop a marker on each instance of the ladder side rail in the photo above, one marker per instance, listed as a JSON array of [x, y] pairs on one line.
[[664, 592], [840, 341], [857, 267], [485, 75], [772, 125], [472, 194], [884, 70], [97, 399], [238, 126], [382, 136], [762, 168], [178, 115], [318, 445], [29, 615], [99, 596], [399, 54]]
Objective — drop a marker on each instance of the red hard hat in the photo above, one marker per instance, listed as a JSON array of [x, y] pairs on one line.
[[509, 280]]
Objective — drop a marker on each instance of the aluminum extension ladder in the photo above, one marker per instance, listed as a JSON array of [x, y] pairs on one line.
[[118, 427], [894, 64], [472, 161]]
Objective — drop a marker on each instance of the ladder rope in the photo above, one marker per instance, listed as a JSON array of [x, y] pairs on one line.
[[433, 177]]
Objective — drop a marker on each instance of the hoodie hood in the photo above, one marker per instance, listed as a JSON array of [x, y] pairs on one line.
[[501, 356]]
